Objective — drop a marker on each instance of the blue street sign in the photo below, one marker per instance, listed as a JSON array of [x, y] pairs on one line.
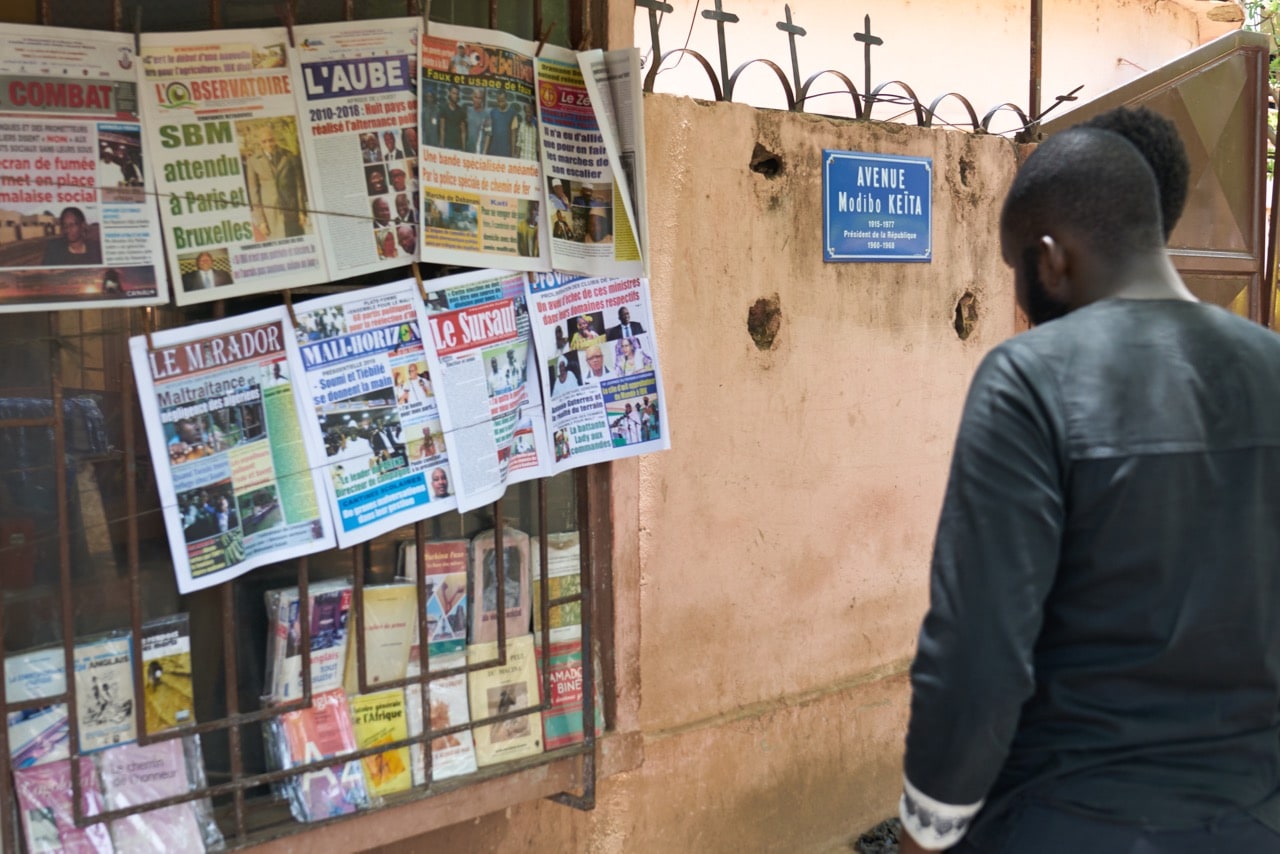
[[876, 207]]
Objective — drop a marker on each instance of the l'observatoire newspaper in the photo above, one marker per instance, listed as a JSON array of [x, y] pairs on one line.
[[222, 138], [77, 228], [357, 84], [373, 424], [223, 426]]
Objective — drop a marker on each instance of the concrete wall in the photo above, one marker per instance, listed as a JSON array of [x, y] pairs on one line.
[[979, 49], [782, 546]]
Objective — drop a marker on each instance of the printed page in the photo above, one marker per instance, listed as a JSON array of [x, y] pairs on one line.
[[78, 227], [374, 430], [223, 427], [481, 178], [357, 86], [223, 138]]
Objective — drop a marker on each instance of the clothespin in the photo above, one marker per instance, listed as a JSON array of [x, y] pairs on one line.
[[148, 324], [288, 304], [543, 41], [426, 16], [137, 30], [284, 11], [585, 43], [417, 275]]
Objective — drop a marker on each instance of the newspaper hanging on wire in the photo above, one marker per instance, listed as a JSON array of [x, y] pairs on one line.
[[481, 178], [597, 350], [374, 427], [589, 202], [490, 403], [357, 85], [222, 138], [77, 228], [223, 425]]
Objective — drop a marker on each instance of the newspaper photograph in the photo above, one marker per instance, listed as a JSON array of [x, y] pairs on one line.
[[490, 402], [588, 204], [77, 226], [481, 178], [616, 89], [223, 427], [222, 137], [374, 426], [596, 349], [358, 102]]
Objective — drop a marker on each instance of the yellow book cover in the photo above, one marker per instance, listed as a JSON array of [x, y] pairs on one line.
[[166, 672], [501, 689], [390, 624], [380, 719]]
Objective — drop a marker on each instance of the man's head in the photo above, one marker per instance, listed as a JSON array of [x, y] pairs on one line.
[[440, 482], [72, 222], [389, 140], [1157, 140], [377, 181], [403, 206], [413, 371], [204, 262], [267, 141], [493, 364], [410, 135], [381, 211], [624, 315], [189, 431], [407, 238], [502, 101], [453, 96], [477, 98], [1085, 200], [595, 360], [398, 180]]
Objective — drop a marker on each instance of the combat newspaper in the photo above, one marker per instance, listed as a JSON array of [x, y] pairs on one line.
[[490, 403], [481, 179], [374, 427], [357, 83], [222, 417], [77, 229], [222, 136], [588, 203], [595, 343]]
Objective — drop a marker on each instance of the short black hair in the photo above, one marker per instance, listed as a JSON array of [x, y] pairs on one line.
[[1092, 182], [1159, 143]]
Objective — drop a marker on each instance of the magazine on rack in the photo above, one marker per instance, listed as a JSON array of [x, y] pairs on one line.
[[322, 731], [329, 613], [454, 754], [390, 626], [445, 565], [166, 673], [39, 735], [48, 823], [564, 578], [380, 719], [517, 570], [134, 774], [501, 689], [104, 690]]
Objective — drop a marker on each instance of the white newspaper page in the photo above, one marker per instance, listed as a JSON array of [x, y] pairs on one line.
[[222, 137], [596, 347], [374, 426], [223, 426], [490, 405], [357, 84], [616, 89], [77, 228], [481, 179], [588, 207]]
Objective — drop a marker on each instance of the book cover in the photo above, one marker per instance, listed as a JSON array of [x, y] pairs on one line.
[[380, 719], [454, 754], [322, 732], [562, 722], [277, 627], [501, 689], [166, 673], [44, 799], [42, 734], [133, 775], [564, 578], [330, 607], [104, 692], [445, 564], [390, 625], [516, 574]]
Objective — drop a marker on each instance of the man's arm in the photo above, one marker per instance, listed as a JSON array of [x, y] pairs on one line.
[[995, 558]]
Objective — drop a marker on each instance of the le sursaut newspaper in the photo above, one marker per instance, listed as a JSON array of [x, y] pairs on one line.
[[491, 406], [588, 202], [374, 428], [596, 349], [357, 85], [77, 227], [481, 178], [223, 426], [223, 140]]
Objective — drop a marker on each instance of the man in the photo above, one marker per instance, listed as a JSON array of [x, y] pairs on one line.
[[625, 328], [452, 130], [74, 247], [204, 276], [399, 180], [595, 371], [375, 178], [381, 213], [410, 136], [526, 145], [277, 190], [1156, 139], [462, 61], [416, 390], [497, 383], [369, 148], [407, 237], [390, 146], [527, 232], [1098, 670], [477, 122], [502, 122], [439, 483], [404, 209], [560, 229]]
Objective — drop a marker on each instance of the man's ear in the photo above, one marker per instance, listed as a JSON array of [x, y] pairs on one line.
[[1054, 268]]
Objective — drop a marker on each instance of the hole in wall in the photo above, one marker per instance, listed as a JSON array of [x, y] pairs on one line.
[[966, 315], [764, 317], [765, 162], [966, 169]]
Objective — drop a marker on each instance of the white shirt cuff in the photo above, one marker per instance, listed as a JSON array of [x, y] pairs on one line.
[[933, 824]]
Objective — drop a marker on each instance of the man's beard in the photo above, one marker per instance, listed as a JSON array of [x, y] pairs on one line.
[[1039, 306]]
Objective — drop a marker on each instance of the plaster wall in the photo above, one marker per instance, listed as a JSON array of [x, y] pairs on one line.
[[979, 49], [781, 548]]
